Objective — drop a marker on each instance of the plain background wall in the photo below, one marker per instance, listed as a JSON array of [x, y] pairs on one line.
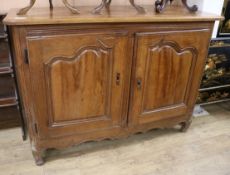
[[212, 6]]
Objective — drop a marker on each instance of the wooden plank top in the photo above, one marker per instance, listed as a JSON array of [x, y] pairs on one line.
[[118, 14]]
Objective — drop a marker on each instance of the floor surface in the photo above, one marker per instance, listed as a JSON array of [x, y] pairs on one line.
[[203, 150]]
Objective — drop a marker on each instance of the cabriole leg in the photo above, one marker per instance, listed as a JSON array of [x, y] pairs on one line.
[[161, 4], [23, 11], [193, 8], [51, 5], [137, 7], [104, 3], [70, 7]]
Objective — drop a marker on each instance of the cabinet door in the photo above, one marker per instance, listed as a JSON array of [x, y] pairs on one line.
[[78, 82], [167, 72]]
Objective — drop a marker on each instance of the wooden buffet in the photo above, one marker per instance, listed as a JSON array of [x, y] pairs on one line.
[[91, 77]]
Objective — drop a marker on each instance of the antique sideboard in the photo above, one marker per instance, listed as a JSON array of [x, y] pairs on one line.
[[90, 77]]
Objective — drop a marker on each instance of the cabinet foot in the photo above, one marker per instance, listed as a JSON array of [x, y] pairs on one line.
[[185, 126], [38, 157]]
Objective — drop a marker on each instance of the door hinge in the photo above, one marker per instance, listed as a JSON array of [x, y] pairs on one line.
[[36, 128], [26, 56]]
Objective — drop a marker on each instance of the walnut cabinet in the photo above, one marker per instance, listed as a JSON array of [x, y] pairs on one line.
[[83, 80]]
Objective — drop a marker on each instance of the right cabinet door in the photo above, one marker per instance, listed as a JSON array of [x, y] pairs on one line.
[[167, 72]]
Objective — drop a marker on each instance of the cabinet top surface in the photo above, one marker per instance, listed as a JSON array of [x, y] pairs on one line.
[[117, 14]]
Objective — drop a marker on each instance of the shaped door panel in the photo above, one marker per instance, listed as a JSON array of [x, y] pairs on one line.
[[78, 82], [165, 78]]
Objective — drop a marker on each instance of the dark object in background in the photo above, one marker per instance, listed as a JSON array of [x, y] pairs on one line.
[[215, 86], [9, 109]]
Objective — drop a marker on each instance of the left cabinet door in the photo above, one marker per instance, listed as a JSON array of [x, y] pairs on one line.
[[78, 82]]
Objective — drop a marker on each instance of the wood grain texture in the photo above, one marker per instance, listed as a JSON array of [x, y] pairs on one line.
[[82, 83], [118, 14], [77, 80], [166, 64], [76, 84]]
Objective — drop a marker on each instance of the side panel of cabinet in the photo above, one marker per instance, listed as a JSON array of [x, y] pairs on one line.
[[166, 75], [78, 82]]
